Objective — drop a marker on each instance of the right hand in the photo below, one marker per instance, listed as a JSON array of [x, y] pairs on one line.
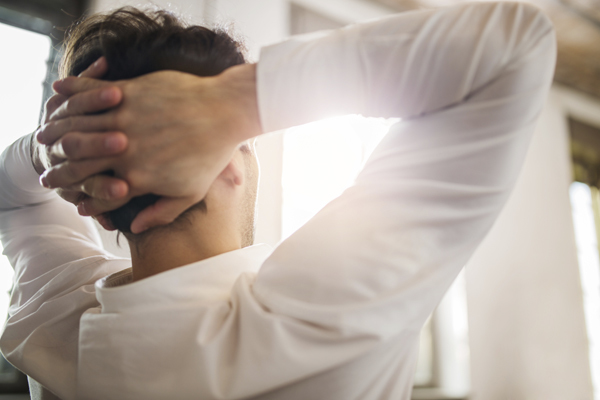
[[182, 131], [102, 188]]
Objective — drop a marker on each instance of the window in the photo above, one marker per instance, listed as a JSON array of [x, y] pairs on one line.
[[29, 34], [19, 112], [21, 80], [321, 160], [585, 203]]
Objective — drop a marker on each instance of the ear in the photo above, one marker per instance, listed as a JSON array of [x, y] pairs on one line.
[[233, 174]]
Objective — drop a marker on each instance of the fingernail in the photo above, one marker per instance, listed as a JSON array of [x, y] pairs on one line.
[[44, 181], [139, 230], [38, 135], [81, 209], [107, 95], [41, 136], [112, 143], [115, 191], [57, 84]]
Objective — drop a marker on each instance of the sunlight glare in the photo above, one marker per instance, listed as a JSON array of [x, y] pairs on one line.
[[321, 160]]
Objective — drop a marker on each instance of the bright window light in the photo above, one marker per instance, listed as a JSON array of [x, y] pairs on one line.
[[589, 270], [321, 160], [22, 72]]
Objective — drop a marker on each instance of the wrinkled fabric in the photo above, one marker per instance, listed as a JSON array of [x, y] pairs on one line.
[[334, 311]]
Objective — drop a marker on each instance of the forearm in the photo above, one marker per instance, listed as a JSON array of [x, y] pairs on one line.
[[240, 82], [407, 65], [469, 83]]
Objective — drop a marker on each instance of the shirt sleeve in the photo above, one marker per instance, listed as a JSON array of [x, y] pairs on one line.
[[468, 83], [361, 277], [57, 256]]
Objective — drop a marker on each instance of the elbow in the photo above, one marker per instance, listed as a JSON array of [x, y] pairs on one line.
[[537, 58], [519, 46], [529, 36]]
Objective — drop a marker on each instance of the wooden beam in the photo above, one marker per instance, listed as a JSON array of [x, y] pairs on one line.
[[577, 24]]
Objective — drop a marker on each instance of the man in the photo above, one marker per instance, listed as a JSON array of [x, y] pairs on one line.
[[334, 312]]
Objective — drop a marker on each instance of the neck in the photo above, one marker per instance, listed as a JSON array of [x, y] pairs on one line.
[[170, 247]]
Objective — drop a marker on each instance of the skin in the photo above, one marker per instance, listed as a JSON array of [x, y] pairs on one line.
[[227, 225], [208, 117], [72, 148], [68, 146]]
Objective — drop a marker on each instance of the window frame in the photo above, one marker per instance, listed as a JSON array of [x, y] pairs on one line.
[[579, 108]]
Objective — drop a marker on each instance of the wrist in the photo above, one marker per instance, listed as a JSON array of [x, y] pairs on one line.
[[240, 81]]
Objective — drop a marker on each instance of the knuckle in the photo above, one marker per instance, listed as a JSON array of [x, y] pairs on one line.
[[55, 157], [54, 102], [99, 189], [71, 146], [46, 132], [90, 99], [119, 119], [88, 187], [69, 105], [134, 178], [69, 84], [82, 124], [68, 124], [51, 178], [127, 87], [73, 171]]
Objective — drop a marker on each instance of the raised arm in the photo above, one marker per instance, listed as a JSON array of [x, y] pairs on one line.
[[361, 277], [57, 255], [469, 82]]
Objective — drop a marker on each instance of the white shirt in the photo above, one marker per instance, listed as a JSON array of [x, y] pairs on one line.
[[334, 312]]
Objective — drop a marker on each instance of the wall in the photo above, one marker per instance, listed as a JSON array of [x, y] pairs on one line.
[[526, 321]]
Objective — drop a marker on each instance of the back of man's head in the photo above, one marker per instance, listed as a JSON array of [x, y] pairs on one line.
[[137, 42]]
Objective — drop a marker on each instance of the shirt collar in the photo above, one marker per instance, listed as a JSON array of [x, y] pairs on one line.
[[207, 280]]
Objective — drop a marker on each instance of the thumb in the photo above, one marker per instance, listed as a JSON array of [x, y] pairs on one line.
[[72, 85], [163, 212]]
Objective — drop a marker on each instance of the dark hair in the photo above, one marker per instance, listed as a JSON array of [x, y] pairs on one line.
[[137, 42]]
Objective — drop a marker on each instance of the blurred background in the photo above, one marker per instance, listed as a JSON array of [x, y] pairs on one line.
[[523, 320]]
